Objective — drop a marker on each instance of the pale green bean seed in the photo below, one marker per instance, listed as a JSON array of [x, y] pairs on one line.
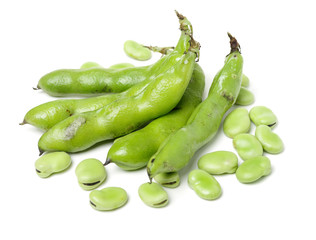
[[121, 65], [90, 65], [51, 163], [247, 146], [204, 184], [261, 115], [237, 122], [244, 81], [169, 180], [136, 51], [270, 141], [253, 169], [107, 199], [219, 162], [90, 173], [153, 195], [245, 97]]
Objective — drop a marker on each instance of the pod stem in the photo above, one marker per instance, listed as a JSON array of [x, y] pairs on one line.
[[24, 122], [195, 47], [149, 175], [41, 151], [107, 161], [162, 50], [36, 88], [185, 24], [234, 45]]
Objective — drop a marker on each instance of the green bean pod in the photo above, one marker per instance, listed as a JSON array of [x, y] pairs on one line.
[[134, 150], [123, 116], [89, 81], [48, 114], [179, 147]]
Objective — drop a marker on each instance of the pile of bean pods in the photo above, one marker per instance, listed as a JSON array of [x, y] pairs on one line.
[[158, 120]]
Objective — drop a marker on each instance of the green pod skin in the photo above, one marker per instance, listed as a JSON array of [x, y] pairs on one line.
[[253, 169], [134, 150], [204, 184], [245, 97], [48, 114], [89, 81], [67, 82], [236, 122], [121, 117], [108, 199], [203, 124], [270, 141]]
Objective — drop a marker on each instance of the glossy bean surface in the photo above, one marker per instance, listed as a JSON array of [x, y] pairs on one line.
[[153, 195], [51, 163], [136, 51], [169, 180], [261, 115], [107, 199], [204, 184], [253, 169], [247, 146], [236, 122], [245, 81], [90, 173], [218, 162], [270, 141], [245, 97]]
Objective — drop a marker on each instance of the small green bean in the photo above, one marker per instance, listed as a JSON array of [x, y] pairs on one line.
[[90, 173], [236, 122], [245, 97], [109, 198], [244, 81], [90, 65], [51, 163], [136, 51], [121, 65], [261, 115], [270, 141], [253, 169], [153, 195], [218, 162], [204, 184], [169, 180], [247, 146]]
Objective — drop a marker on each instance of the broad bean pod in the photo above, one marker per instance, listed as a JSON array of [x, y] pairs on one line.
[[67, 82], [134, 150], [203, 124], [48, 114], [123, 116]]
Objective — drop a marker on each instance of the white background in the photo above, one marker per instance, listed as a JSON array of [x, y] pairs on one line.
[[278, 46]]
